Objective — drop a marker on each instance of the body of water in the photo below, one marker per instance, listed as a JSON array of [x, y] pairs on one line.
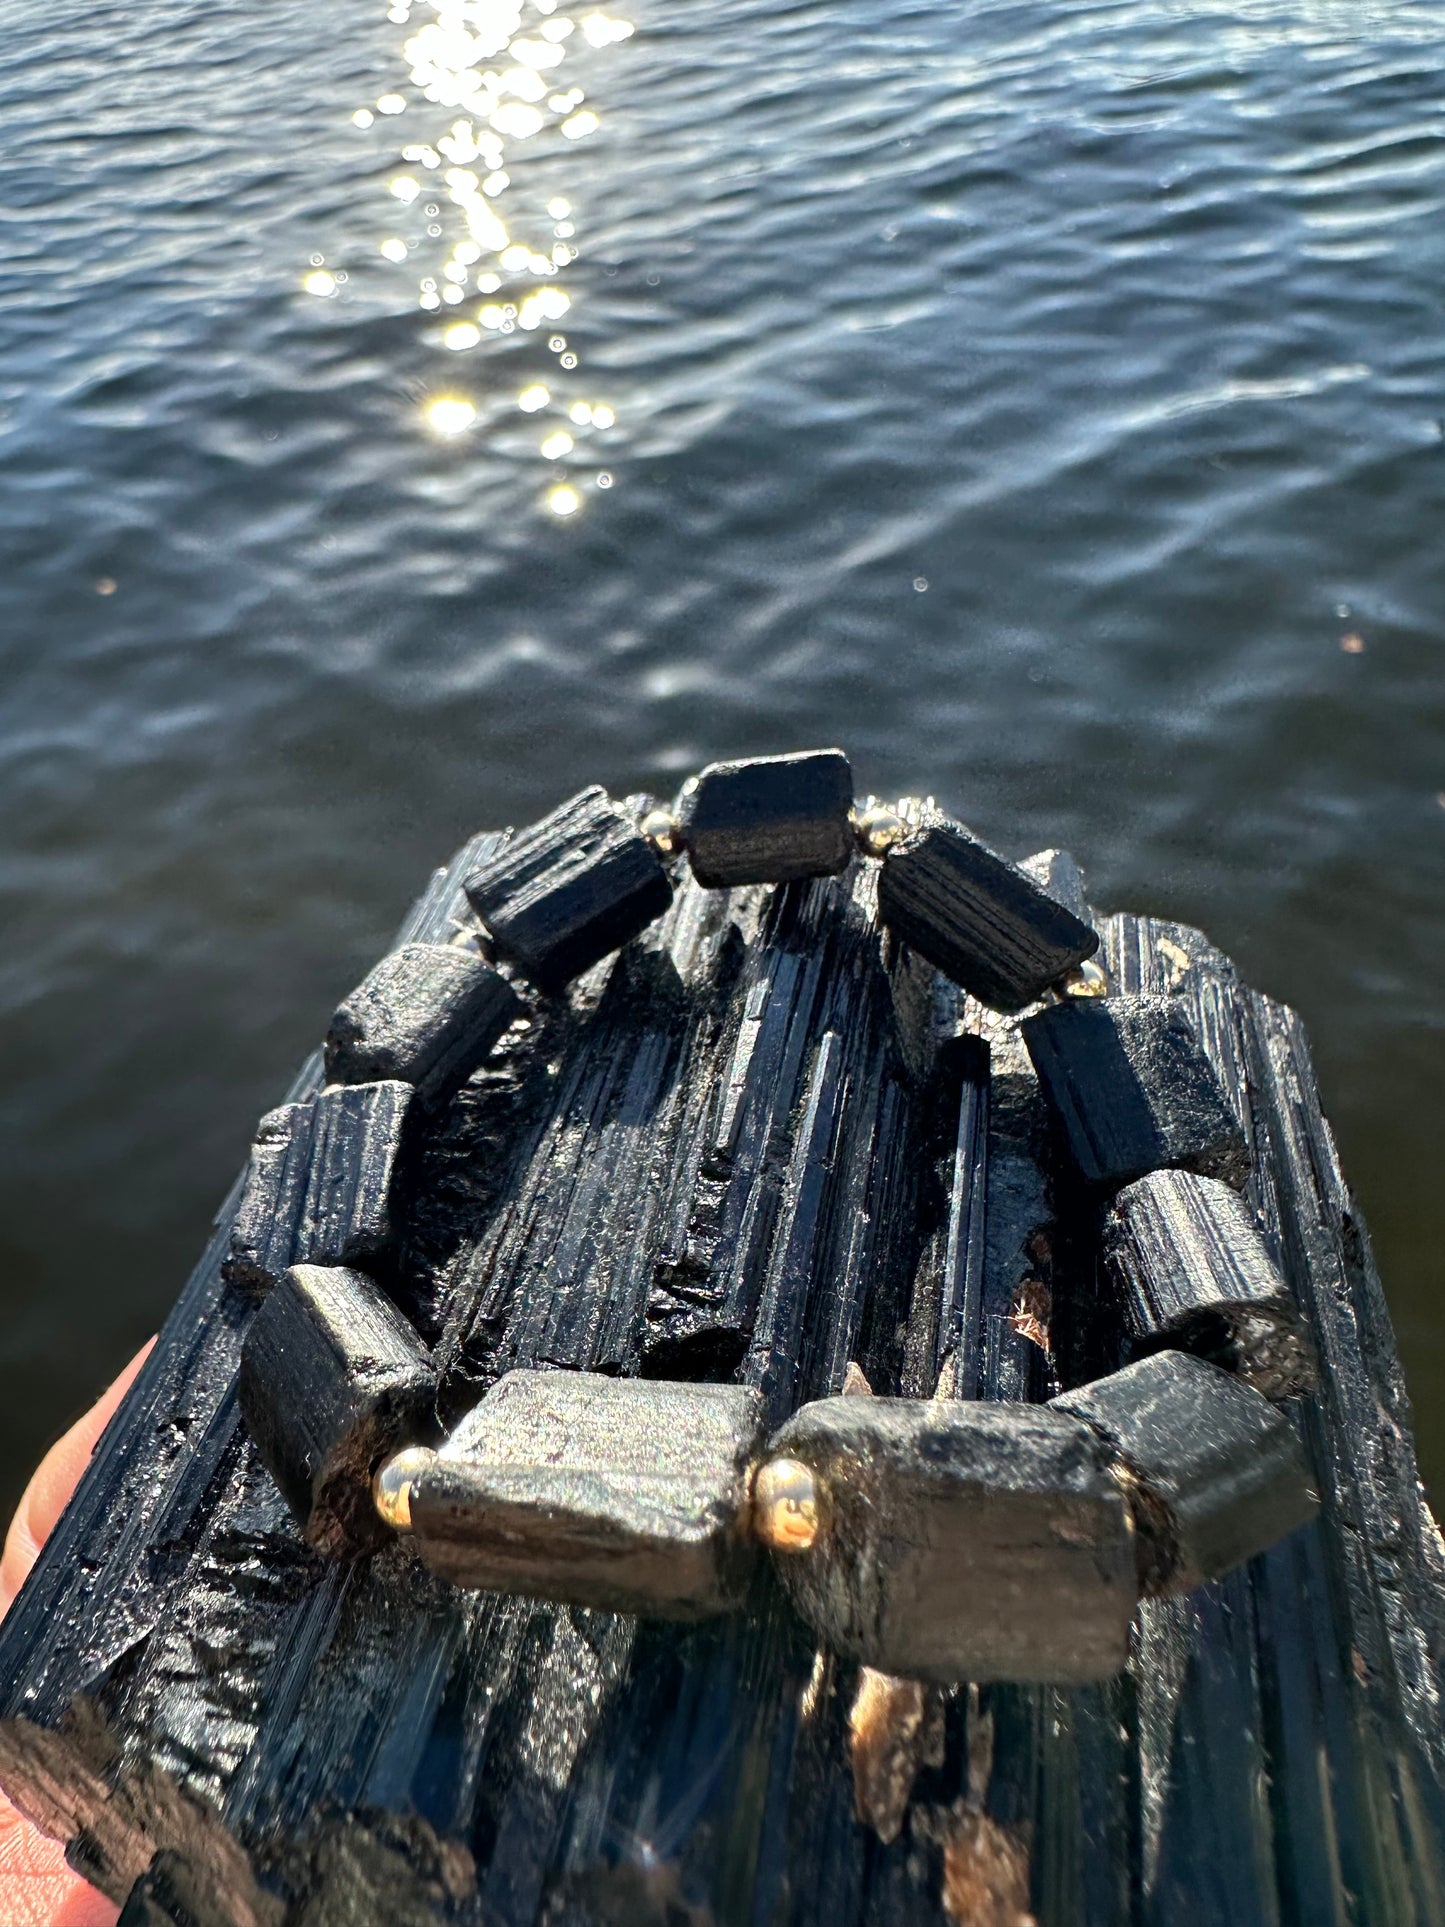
[[407, 415]]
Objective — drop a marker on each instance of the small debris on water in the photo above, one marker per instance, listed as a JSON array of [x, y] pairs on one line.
[[1352, 644]]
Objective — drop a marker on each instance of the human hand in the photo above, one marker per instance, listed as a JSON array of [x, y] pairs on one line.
[[37, 1888]]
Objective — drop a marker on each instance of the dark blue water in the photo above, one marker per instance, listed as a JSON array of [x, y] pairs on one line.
[[1044, 401]]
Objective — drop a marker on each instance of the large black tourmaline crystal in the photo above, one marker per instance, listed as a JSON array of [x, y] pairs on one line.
[[1213, 1471], [770, 819], [1194, 1272], [562, 895], [617, 1493], [962, 1540], [979, 920], [333, 1379], [1132, 1092], [427, 1014], [319, 1184]]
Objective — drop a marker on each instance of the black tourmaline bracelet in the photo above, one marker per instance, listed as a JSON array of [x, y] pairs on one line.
[[936, 1539]]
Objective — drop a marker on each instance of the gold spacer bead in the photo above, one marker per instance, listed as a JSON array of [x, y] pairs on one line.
[[1088, 980], [662, 830], [786, 1506], [395, 1477], [877, 830]]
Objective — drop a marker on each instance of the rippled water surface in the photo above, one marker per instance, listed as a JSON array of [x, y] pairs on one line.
[[1044, 401]]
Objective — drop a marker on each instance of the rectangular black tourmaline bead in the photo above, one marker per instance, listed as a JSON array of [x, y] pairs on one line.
[[770, 819], [623, 1493], [1213, 1473], [319, 1186], [979, 920], [1131, 1090], [1193, 1271], [333, 1378], [263, 1231], [560, 896], [962, 1539], [428, 1014]]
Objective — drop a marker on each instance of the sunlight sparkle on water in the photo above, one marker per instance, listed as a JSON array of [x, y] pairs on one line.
[[320, 282], [450, 415], [564, 500], [601, 30], [543, 304], [518, 120], [523, 83], [476, 79], [536, 54]]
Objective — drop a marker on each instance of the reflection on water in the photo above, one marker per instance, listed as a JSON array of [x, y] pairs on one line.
[[483, 81]]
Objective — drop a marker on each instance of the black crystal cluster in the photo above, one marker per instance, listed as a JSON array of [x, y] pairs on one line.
[[934, 1538], [755, 1267]]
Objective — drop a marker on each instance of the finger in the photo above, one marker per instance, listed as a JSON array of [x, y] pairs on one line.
[[37, 1888], [56, 1477]]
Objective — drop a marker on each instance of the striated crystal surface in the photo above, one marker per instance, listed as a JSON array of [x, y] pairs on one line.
[[1192, 1270], [319, 1186], [985, 923], [428, 1014], [1132, 1092], [566, 892]]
